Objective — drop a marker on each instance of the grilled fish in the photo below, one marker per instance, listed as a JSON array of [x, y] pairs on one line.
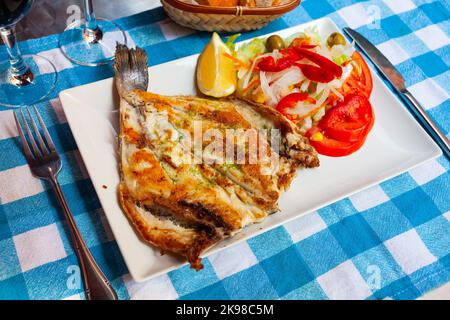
[[183, 194]]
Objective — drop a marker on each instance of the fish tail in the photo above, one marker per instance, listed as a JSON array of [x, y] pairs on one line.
[[131, 69]]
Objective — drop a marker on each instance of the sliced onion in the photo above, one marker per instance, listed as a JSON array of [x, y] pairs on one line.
[[249, 74], [276, 54], [282, 86], [323, 97], [333, 86], [339, 50], [241, 73], [307, 123], [305, 85], [252, 68], [319, 114], [324, 51], [336, 83], [337, 94], [274, 76], [320, 87], [266, 89], [301, 109], [346, 71]]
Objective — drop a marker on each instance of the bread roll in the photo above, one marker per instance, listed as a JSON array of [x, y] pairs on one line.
[[247, 3], [259, 3], [219, 3]]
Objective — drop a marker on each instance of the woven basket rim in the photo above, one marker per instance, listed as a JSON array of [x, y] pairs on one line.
[[240, 10]]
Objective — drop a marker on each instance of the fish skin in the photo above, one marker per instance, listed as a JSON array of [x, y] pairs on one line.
[[186, 208]]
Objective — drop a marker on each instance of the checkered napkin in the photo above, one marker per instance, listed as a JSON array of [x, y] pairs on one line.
[[390, 241]]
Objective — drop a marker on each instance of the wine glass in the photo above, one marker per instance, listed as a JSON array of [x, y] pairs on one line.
[[24, 80], [92, 43]]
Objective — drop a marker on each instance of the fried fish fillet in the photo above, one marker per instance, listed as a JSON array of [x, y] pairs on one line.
[[180, 194]]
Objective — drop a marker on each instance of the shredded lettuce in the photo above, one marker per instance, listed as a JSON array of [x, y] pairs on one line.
[[313, 32], [230, 41], [340, 60], [249, 50]]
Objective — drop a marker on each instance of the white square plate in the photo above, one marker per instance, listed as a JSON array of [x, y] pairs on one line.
[[396, 144]]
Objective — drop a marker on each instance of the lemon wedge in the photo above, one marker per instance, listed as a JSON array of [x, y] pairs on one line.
[[216, 73]]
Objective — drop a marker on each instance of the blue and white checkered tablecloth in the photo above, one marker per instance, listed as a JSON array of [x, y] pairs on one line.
[[390, 241]]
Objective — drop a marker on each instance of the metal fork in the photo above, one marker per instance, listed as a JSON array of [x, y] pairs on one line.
[[45, 163]]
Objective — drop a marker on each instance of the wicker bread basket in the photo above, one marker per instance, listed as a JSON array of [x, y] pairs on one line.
[[230, 19]]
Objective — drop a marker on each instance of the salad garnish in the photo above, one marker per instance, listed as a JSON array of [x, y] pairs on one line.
[[321, 84]]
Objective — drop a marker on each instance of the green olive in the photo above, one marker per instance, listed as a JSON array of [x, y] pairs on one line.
[[336, 39], [274, 42]]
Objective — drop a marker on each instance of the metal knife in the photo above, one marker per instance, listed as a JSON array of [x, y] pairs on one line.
[[389, 72]]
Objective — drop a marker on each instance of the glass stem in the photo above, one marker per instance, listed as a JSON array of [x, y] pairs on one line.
[[89, 15], [92, 32], [18, 66]]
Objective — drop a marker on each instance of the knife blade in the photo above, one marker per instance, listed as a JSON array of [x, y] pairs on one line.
[[380, 61], [388, 70]]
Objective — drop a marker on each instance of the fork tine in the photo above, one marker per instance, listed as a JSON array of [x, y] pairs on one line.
[[48, 138], [38, 134], [25, 146], [37, 153]]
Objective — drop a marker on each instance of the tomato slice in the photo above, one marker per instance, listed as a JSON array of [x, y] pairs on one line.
[[332, 147], [348, 121], [360, 83], [344, 129]]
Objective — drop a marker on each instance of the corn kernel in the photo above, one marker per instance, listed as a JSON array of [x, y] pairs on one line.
[[318, 136]]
